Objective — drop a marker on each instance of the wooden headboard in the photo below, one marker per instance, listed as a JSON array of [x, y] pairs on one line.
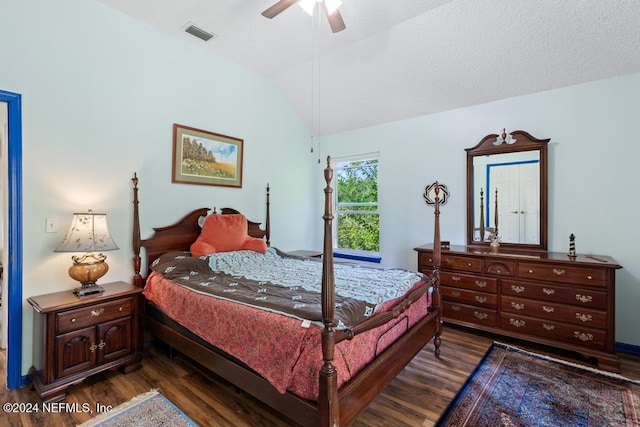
[[179, 236]]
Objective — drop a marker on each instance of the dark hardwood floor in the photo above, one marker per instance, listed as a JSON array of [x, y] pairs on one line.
[[416, 397]]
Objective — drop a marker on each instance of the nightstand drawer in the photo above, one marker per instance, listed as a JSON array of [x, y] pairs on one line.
[[93, 315]]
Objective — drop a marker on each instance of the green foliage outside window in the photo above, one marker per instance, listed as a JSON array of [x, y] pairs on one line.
[[357, 205]]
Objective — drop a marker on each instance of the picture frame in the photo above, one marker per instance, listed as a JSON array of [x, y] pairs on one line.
[[206, 158]]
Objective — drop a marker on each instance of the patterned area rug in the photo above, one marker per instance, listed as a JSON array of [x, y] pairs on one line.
[[149, 409], [513, 387]]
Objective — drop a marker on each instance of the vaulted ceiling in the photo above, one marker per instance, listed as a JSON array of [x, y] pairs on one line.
[[404, 58]]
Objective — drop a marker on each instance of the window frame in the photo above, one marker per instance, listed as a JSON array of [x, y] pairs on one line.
[[354, 254]]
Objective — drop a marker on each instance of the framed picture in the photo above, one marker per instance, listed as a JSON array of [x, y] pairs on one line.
[[206, 158]]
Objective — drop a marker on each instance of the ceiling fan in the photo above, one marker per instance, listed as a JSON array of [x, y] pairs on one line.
[[330, 8]]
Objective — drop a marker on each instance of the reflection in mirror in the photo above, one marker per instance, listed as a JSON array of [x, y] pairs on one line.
[[506, 191], [514, 179]]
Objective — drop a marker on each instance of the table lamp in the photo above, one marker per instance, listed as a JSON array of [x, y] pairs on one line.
[[88, 233]]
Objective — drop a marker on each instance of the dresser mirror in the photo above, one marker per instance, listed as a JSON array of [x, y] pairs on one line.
[[507, 191]]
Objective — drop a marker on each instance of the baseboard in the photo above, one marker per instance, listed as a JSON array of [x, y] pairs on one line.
[[628, 348]]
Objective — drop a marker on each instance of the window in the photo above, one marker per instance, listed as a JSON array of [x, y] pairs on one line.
[[358, 219]]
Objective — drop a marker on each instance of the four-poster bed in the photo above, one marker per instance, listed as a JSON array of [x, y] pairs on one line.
[[398, 328]]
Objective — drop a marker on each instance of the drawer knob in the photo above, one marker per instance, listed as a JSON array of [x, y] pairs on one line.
[[73, 320], [582, 336], [120, 308], [589, 277], [480, 316], [517, 306], [468, 264], [97, 312], [517, 323], [584, 317], [584, 298], [530, 271]]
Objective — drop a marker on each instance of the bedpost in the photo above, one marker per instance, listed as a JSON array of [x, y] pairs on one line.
[[137, 278], [328, 408], [268, 221], [437, 258]]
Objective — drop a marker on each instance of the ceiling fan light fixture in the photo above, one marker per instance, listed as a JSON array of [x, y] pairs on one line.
[[332, 5], [308, 6]]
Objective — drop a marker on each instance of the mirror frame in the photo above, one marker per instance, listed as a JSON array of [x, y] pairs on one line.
[[520, 141]]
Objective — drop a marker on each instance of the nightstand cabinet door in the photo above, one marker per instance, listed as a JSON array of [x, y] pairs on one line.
[[76, 351], [114, 340], [78, 337]]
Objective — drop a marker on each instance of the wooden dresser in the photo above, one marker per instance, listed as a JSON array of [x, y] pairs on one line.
[[538, 296], [75, 337]]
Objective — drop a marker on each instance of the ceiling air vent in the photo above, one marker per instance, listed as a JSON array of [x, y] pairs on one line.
[[198, 32]]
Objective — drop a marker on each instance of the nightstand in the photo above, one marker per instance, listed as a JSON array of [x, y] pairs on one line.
[[75, 337]]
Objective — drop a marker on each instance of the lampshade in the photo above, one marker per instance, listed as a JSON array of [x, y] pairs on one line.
[[88, 233]]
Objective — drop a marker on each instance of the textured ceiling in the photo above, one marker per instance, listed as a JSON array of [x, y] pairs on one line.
[[405, 58]]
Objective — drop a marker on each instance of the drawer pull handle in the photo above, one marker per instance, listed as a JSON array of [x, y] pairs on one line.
[[480, 299], [517, 306], [456, 278], [548, 309], [558, 271], [101, 345], [582, 336], [517, 289], [97, 312], [584, 298], [480, 316], [448, 260], [548, 327], [584, 317], [548, 291], [517, 323], [93, 347], [481, 284], [455, 293], [455, 308], [73, 320], [589, 277]]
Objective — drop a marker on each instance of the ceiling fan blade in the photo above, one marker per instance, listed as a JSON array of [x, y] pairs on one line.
[[335, 19], [274, 10]]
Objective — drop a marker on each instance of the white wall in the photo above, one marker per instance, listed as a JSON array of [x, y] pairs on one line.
[[593, 172], [100, 93]]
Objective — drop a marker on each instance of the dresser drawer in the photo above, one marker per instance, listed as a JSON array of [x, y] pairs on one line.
[[89, 316], [461, 263], [551, 329], [559, 273], [468, 313], [556, 312], [500, 268], [479, 299], [556, 293], [468, 281]]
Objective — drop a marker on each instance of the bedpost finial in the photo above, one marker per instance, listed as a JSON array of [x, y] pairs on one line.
[[328, 172], [135, 180]]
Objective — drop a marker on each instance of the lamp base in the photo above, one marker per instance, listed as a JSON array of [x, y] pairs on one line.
[[88, 290]]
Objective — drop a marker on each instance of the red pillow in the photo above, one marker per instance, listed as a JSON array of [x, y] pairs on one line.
[[225, 233]]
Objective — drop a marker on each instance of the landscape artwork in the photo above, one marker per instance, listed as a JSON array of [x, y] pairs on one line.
[[206, 158]]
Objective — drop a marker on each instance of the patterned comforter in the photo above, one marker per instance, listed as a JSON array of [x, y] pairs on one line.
[[288, 285], [274, 341]]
